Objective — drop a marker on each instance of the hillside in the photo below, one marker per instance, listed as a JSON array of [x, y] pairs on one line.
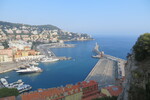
[[17, 28], [28, 32], [137, 70]]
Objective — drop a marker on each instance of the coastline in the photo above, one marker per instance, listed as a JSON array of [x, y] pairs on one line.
[[43, 48]]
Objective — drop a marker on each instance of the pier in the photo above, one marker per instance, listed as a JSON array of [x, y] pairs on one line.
[[103, 72], [109, 70]]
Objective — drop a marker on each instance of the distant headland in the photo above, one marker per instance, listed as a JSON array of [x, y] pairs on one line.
[[38, 33]]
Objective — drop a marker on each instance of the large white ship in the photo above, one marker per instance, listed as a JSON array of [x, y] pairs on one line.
[[49, 59], [31, 69]]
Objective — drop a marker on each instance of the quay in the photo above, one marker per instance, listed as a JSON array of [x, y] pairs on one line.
[[109, 70], [105, 72], [45, 49]]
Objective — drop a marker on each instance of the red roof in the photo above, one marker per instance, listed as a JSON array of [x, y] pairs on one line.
[[88, 83], [57, 93], [114, 90]]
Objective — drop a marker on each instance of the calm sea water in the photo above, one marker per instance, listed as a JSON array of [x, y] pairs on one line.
[[72, 71]]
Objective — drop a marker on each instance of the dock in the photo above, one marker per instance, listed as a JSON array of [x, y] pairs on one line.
[[103, 72], [109, 70]]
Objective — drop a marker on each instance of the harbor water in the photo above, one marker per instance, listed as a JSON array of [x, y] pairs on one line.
[[72, 71]]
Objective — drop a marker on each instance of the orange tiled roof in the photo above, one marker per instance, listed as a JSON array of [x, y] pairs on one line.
[[55, 93], [114, 90], [89, 83]]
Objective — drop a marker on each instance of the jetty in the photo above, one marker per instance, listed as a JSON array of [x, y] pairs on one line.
[[109, 70]]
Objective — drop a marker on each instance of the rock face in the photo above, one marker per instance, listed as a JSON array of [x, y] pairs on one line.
[[137, 82]]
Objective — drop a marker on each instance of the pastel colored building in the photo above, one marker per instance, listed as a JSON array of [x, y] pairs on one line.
[[6, 55], [8, 52], [5, 58]]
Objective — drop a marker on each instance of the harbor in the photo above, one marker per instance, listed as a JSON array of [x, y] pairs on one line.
[[46, 53], [63, 72]]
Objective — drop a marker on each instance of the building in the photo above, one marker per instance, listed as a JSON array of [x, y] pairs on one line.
[[19, 44], [73, 92], [112, 90], [70, 92], [90, 90], [6, 55], [5, 58], [80, 91], [26, 54]]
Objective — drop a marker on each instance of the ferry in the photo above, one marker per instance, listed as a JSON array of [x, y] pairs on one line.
[[31, 69], [49, 59]]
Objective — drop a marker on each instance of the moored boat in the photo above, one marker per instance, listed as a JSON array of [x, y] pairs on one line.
[[49, 59], [31, 69]]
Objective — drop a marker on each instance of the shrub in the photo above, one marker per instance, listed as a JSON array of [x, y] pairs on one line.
[[142, 47]]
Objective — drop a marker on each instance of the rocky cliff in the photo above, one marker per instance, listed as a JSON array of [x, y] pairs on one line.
[[137, 82]]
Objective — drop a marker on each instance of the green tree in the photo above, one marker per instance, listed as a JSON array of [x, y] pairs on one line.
[[142, 47], [4, 92]]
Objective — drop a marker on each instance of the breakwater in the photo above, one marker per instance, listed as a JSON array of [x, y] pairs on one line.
[[107, 71]]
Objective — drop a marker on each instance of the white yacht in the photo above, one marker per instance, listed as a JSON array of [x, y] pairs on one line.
[[49, 59], [24, 88], [31, 69], [4, 82]]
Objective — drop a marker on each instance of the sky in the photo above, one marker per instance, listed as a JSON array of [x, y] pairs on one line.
[[111, 17]]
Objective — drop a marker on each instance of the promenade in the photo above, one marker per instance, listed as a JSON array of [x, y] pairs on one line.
[[103, 72], [9, 66]]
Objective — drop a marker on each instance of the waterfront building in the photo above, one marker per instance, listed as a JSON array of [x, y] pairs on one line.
[[27, 54], [6, 55], [112, 90], [5, 58], [8, 52]]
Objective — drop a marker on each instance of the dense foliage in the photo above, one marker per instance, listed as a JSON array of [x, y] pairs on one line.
[[4, 92], [142, 47], [107, 98]]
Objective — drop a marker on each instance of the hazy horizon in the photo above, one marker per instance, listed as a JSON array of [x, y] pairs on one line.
[[96, 17]]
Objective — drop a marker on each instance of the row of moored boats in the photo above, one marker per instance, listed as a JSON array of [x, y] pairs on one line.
[[19, 85]]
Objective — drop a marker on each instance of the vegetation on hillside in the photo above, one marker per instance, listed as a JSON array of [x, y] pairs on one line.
[[107, 98], [142, 47], [4, 92], [18, 25]]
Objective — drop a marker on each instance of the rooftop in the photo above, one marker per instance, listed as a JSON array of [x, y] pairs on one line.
[[114, 90]]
